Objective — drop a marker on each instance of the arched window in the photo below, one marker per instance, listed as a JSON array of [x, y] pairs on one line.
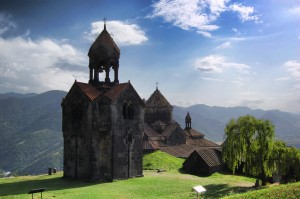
[[130, 111], [125, 111]]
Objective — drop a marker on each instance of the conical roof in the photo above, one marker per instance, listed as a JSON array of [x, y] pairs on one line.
[[188, 117], [104, 48], [158, 100]]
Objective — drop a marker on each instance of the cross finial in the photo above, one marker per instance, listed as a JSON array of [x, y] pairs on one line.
[[104, 19], [156, 85]]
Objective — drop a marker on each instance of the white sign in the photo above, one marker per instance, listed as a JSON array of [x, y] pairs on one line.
[[199, 189]]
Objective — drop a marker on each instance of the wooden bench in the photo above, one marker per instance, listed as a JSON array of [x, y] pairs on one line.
[[37, 191], [161, 170]]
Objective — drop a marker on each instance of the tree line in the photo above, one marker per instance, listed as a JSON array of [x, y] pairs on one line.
[[250, 146]]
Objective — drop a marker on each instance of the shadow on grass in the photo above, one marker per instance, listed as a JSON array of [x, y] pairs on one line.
[[50, 184], [222, 190]]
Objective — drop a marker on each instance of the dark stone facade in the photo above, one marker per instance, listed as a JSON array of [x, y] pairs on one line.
[[160, 128], [203, 162], [158, 109], [103, 122]]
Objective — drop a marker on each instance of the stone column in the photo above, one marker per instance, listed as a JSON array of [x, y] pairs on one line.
[[116, 69], [91, 73], [107, 80], [96, 74]]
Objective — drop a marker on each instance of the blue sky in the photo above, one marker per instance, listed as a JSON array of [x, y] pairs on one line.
[[215, 52]]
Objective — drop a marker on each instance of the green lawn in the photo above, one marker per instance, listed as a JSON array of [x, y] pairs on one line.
[[288, 191], [171, 184]]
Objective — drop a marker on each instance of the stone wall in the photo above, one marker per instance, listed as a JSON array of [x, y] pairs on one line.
[[127, 137], [76, 132], [152, 114], [177, 137]]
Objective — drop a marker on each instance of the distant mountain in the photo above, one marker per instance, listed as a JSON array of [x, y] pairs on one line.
[[212, 120], [31, 138], [30, 132], [16, 95]]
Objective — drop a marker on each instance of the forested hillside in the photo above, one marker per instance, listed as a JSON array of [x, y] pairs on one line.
[[30, 131]]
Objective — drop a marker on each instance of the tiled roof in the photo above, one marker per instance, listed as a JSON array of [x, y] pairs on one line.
[[211, 156], [90, 91], [201, 143], [105, 39], [158, 100], [115, 91], [104, 47], [192, 133], [179, 151], [149, 131], [170, 129], [184, 150], [150, 145]]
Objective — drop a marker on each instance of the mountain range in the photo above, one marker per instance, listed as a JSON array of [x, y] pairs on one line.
[[211, 121], [31, 137]]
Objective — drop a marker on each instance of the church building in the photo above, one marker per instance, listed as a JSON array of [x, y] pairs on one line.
[[161, 132], [160, 128], [103, 121]]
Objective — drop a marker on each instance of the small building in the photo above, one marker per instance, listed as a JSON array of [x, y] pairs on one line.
[[103, 121], [204, 161]]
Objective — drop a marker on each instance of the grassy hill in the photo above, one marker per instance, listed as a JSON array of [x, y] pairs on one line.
[[161, 160], [276, 192], [171, 184]]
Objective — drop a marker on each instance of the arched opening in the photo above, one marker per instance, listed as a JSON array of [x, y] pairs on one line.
[[125, 110], [130, 111]]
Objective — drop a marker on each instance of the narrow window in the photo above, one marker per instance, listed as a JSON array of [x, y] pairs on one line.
[[130, 111], [125, 110]]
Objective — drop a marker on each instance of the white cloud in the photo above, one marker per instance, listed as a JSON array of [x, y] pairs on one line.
[[212, 79], [236, 31], [5, 23], [283, 78], [224, 45], [294, 11], [254, 103], [40, 65], [246, 13], [204, 33], [294, 68], [122, 32], [198, 15], [189, 14], [217, 64]]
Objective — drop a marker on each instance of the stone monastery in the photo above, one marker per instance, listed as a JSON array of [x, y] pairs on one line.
[[107, 126]]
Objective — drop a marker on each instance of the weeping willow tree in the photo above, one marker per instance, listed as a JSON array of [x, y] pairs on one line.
[[249, 144]]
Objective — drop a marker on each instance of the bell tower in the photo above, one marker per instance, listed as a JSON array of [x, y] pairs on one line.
[[104, 55], [188, 121]]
